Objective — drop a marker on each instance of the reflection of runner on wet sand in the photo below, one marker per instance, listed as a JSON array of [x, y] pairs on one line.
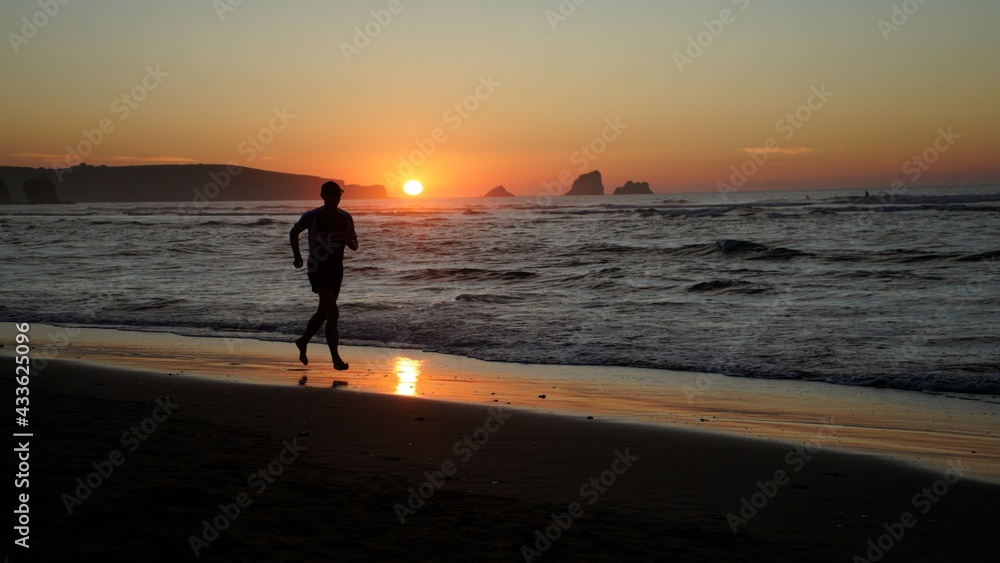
[[329, 229]]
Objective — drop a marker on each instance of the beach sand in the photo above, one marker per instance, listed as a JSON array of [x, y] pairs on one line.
[[339, 466]]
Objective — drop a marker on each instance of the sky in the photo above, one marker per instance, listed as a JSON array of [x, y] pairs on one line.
[[467, 95]]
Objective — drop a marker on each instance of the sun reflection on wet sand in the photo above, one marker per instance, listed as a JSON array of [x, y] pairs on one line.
[[407, 371]]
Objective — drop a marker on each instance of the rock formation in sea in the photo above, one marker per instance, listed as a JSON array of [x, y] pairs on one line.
[[588, 184], [40, 190], [499, 191], [5, 198], [634, 188]]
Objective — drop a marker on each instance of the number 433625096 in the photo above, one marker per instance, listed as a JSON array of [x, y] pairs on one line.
[[23, 372]]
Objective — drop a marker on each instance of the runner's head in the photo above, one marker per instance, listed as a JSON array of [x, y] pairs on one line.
[[331, 192]]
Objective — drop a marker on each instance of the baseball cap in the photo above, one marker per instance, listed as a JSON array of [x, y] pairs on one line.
[[331, 187]]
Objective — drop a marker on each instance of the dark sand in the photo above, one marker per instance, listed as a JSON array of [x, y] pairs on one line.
[[335, 501]]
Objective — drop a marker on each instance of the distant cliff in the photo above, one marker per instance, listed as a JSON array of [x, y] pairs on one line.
[[499, 191], [188, 182], [588, 184], [634, 188]]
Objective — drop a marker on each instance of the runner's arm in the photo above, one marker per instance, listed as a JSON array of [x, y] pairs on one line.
[[352, 236], [293, 239]]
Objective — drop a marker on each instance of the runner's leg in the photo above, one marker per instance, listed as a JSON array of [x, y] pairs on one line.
[[315, 323], [328, 302]]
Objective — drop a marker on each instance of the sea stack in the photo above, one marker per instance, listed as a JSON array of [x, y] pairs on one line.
[[634, 188], [5, 194], [499, 191], [588, 184], [40, 190]]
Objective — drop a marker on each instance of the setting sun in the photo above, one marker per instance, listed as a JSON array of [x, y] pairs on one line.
[[413, 187]]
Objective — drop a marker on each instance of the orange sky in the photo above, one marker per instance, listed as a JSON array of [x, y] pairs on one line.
[[465, 97]]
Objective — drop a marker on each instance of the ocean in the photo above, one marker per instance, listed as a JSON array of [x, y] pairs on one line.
[[898, 291]]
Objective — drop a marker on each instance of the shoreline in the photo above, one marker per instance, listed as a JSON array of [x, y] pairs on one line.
[[928, 430]]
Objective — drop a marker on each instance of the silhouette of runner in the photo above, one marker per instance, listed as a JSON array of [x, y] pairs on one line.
[[329, 230]]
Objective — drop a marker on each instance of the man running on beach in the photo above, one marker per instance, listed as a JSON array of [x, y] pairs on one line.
[[329, 229]]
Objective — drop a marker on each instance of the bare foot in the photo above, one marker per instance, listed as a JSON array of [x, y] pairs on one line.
[[302, 351], [340, 365]]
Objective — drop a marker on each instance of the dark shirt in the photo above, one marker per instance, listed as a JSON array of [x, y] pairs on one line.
[[328, 233]]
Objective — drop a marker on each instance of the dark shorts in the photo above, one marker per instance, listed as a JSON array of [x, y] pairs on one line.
[[326, 275]]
